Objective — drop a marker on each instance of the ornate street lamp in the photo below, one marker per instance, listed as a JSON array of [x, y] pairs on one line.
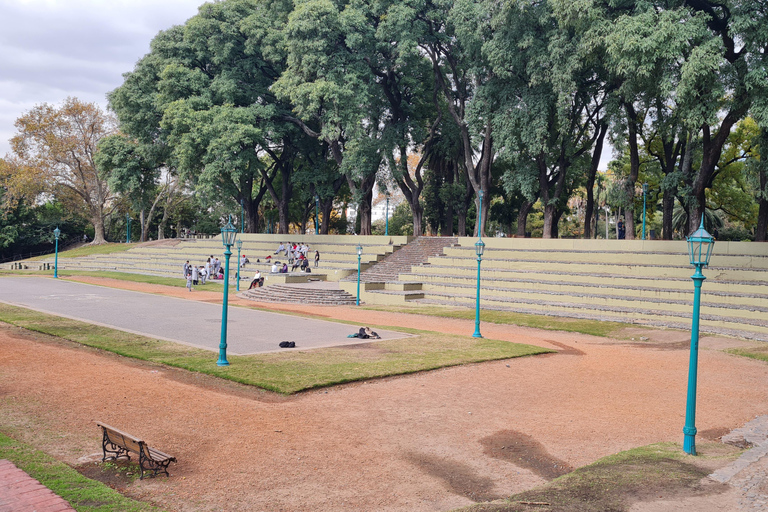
[[239, 246], [56, 233], [317, 204], [228, 234], [700, 245], [359, 255], [479, 249], [242, 218], [386, 225], [645, 193], [128, 228]]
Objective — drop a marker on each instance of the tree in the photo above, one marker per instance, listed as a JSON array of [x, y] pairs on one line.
[[53, 153]]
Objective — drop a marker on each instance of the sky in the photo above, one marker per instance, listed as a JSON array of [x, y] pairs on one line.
[[52, 49]]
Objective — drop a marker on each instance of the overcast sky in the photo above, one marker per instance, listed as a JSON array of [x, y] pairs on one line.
[[51, 49]]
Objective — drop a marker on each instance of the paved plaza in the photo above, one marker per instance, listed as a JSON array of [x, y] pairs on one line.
[[168, 318]]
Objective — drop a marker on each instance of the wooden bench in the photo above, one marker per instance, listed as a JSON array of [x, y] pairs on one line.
[[119, 444]]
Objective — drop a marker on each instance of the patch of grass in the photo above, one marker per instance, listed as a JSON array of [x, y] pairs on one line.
[[284, 372], [759, 353], [615, 482], [593, 327], [179, 282], [83, 494], [88, 250]]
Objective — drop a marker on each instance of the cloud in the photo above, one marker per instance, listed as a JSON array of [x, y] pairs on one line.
[[52, 49]]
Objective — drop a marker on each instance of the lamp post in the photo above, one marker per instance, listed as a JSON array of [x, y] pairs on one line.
[[239, 246], [242, 219], [607, 211], [645, 193], [359, 255], [317, 204], [479, 249], [56, 233], [128, 228], [700, 245], [386, 222], [228, 234]]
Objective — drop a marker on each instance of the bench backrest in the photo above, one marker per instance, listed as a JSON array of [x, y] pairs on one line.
[[120, 438]]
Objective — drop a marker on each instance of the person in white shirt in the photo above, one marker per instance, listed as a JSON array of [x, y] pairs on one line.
[[274, 268], [256, 280], [203, 274], [280, 248], [195, 274]]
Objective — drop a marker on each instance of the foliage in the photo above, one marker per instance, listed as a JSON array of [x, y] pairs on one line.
[[54, 154]]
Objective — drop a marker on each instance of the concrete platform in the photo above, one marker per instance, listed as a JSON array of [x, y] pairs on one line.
[[189, 322]]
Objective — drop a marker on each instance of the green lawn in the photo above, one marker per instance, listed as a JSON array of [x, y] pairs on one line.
[[83, 494], [179, 282], [552, 323], [759, 353], [284, 372], [88, 250], [658, 471]]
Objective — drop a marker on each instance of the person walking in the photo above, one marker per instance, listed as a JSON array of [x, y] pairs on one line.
[[189, 281]]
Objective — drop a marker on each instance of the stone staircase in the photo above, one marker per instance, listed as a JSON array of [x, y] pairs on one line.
[[300, 295], [404, 259]]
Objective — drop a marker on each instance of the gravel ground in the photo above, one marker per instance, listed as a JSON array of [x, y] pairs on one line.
[[421, 442]]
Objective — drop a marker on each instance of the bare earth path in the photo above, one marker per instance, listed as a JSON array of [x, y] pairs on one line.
[[431, 441]]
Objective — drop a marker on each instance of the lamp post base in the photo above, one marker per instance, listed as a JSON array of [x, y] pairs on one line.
[[689, 443]]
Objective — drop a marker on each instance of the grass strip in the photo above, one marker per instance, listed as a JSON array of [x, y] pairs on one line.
[[178, 282], [657, 471], [83, 494], [593, 327], [284, 372], [88, 250], [759, 353]]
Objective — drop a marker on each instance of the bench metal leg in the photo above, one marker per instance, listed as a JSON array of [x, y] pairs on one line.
[[108, 447], [147, 464]]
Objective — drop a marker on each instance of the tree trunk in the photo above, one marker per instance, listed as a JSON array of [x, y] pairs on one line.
[[97, 220], [761, 231], [522, 218], [596, 154], [143, 222], [667, 209], [634, 171]]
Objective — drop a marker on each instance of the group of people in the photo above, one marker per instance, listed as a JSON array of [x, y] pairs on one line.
[[195, 274], [297, 255]]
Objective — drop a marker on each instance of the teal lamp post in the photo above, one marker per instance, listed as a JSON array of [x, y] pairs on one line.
[[228, 234], [56, 233], [128, 228], [479, 249], [239, 246], [700, 245], [645, 193], [359, 255], [242, 219], [317, 205]]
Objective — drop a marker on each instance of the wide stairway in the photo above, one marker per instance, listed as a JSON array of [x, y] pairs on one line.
[[401, 261], [632, 281], [300, 294]]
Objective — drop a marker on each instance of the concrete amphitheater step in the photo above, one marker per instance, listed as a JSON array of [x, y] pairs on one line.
[[300, 294]]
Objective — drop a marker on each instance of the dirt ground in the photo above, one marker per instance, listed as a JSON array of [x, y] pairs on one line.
[[431, 441]]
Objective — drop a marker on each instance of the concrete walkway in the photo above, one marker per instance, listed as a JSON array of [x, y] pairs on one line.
[[19, 492], [178, 320]]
